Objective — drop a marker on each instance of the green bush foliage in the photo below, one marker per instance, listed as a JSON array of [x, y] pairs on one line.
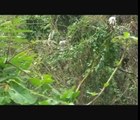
[[96, 65]]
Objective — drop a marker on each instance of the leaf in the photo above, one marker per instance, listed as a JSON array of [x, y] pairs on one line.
[[2, 61], [45, 102], [5, 23], [66, 103], [4, 100], [23, 31], [19, 39], [3, 37], [35, 81], [20, 95], [92, 93], [69, 95], [3, 44], [9, 69], [2, 79], [23, 60], [106, 84], [126, 35], [27, 71], [47, 79], [49, 102]]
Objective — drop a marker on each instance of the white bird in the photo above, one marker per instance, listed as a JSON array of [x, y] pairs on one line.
[[63, 44], [112, 20]]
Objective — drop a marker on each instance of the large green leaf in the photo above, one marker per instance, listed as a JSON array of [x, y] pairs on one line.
[[20, 95]]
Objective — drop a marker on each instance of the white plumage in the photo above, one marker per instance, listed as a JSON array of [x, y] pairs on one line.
[[62, 44], [112, 20]]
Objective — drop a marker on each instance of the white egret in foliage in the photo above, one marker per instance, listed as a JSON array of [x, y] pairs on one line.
[[50, 40], [112, 21], [62, 44]]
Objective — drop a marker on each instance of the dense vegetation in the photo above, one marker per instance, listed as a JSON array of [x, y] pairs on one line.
[[68, 60]]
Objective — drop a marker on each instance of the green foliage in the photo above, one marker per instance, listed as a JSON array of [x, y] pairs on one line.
[[35, 70], [46, 79], [19, 94], [39, 25], [20, 83], [106, 84], [69, 95], [126, 40]]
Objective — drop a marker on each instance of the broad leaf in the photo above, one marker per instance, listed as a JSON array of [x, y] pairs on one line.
[[21, 95]]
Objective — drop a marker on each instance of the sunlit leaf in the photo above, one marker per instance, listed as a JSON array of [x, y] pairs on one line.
[[47, 79], [106, 84], [126, 35]]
